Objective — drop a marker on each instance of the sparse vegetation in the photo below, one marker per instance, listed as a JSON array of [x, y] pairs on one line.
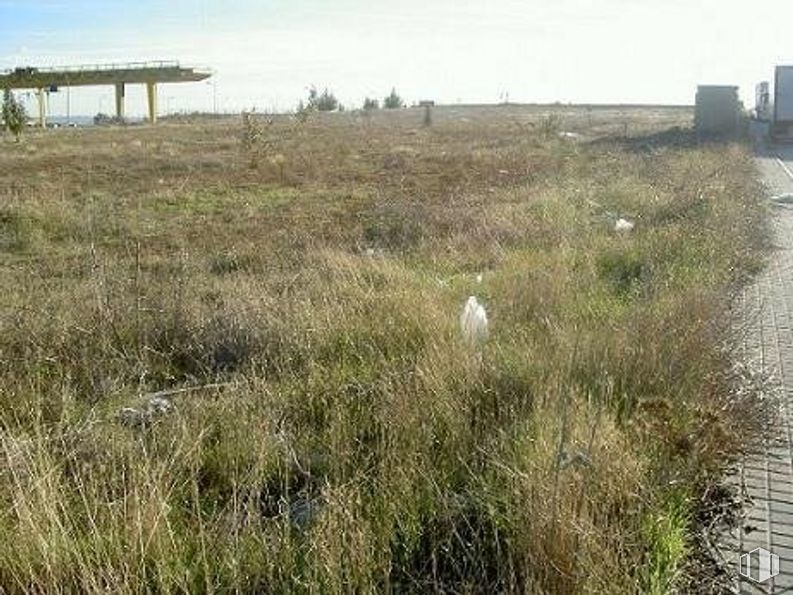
[[255, 141], [101, 119], [13, 114], [550, 125], [322, 102], [393, 101], [330, 427]]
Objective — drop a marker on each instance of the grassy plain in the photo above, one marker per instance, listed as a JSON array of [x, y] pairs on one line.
[[303, 281]]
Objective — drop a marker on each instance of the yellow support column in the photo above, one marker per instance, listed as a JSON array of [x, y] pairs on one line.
[[42, 108], [151, 89], [120, 101]]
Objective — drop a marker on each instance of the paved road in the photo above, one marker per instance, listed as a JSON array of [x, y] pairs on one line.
[[767, 474]]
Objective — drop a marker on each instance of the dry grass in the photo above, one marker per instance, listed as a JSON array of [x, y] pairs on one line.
[[356, 442]]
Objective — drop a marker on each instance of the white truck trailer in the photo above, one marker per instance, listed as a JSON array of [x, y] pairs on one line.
[[782, 125]]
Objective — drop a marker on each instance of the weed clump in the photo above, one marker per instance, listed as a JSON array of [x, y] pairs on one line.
[[624, 271], [15, 231]]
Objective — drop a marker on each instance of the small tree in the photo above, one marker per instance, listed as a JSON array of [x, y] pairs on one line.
[[313, 98], [13, 112], [393, 101], [324, 102], [369, 104]]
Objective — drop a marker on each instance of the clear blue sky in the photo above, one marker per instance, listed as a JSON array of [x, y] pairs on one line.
[[267, 52]]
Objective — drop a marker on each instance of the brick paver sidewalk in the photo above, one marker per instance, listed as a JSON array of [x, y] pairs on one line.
[[767, 475]]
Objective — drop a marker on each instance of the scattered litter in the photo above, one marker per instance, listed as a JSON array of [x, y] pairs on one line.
[[503, 172], [473, 321], [158, 406], [593, 203], [575, 458], [785, 198], [135, 418], [371, 252], [159, 403], [570, 135], [623, 225], [132, 418], [479, 278], [303, 511]]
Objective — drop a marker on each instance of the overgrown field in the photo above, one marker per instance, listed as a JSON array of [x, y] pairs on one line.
[[303, 282]]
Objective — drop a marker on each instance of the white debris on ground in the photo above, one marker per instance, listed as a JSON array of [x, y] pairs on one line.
[[132, 418], [135, 418], [570, 135], [623, 225], [304, 511], [158, 406], [784, 198], [473, 321], [574, 458], [479, 278], [371, 252]]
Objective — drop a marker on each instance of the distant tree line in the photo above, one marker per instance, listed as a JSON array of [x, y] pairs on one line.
[[326, 101]]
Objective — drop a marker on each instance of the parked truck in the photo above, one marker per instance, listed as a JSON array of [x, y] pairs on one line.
[[782, 125]]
